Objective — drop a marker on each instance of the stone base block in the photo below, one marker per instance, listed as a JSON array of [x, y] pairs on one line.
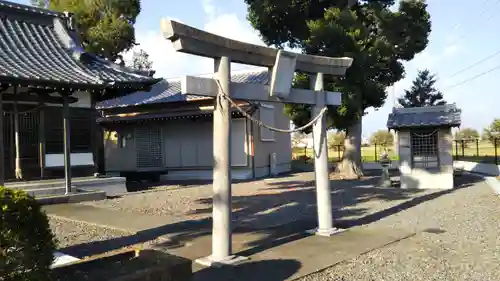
[[230, 260], [325, 232]]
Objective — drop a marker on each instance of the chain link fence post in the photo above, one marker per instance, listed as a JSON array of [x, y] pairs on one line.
[[463, 148], [495, 144], [477, 147], [339, 147]]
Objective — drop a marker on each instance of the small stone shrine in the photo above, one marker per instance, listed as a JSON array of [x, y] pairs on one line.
[[425, 145], [385, 162]]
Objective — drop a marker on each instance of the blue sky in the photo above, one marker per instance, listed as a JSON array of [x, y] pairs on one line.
[[462, 34]]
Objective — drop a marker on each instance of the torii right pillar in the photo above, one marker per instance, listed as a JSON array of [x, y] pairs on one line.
[[323, 190]]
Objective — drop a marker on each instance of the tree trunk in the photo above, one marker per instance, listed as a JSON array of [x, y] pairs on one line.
[[350, 166]]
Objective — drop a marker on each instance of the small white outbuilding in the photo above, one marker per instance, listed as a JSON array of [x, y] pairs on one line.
[[424, 141]]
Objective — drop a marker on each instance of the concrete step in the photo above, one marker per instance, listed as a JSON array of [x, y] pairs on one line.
[[40, 184], [113, 186], [46, 191], [75, 197], [57, 195]]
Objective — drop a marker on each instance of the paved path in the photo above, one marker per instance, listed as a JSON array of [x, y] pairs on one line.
[[283, 252], [294, 259], [108, 218], [285, 247]]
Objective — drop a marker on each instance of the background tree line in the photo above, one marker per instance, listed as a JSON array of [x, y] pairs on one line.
[[382, 138], [489, 134], [378, 37]]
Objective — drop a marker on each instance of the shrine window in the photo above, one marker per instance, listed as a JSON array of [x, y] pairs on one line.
[[54, 138], [424, 148], [80, 130], [80, 127]]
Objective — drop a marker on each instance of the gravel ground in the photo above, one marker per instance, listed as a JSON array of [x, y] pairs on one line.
[[469, 249], [78, 238], [264, 203], [70, 233], [457, 232]]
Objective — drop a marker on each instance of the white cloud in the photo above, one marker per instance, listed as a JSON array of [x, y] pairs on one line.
[[166, 61], [169, 63], [230, 26], [451, 51], [209, 8], [423, 60]]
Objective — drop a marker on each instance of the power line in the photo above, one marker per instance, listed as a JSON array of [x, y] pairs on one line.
[[486, 9], [487, 57], [458, 24], [491, 15], [474, 64], [480, 16], [472, 78]]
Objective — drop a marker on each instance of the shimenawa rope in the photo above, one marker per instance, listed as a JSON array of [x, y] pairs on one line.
[[425, 135], [261, 124]]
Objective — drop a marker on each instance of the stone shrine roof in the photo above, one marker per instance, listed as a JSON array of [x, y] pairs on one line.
[[169, 90], [38, 48], [430, 116]]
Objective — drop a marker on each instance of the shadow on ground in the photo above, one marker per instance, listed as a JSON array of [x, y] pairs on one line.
[[280, 214], [268, 269], [135, 185]]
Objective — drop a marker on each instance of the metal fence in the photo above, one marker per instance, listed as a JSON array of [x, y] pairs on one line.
[[465, 150], [476, 150], [369, 153]]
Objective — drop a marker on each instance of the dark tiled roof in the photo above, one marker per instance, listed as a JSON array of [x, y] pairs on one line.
[[38, 47], [170, 90], [159, 117], [430, 116]]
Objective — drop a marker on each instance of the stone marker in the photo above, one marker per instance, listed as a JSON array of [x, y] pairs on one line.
[[385, 162]]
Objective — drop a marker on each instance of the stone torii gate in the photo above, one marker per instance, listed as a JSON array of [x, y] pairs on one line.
[[190, 40]]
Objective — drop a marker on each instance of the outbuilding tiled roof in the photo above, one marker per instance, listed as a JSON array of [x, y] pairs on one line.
[[429, 116], [169, 90], [38, 48]]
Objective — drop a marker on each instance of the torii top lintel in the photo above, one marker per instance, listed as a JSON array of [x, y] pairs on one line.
[[194, 41]]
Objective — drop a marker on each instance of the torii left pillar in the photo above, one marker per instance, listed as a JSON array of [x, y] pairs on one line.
[[222, 206]]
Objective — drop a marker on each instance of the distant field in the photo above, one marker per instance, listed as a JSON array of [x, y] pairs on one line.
[[484, 152], [368, 154]]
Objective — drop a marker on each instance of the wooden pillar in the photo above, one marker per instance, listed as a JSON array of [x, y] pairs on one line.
[[95, 135], [2, 155], [67, 144], [18, 169], [41, 142]]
